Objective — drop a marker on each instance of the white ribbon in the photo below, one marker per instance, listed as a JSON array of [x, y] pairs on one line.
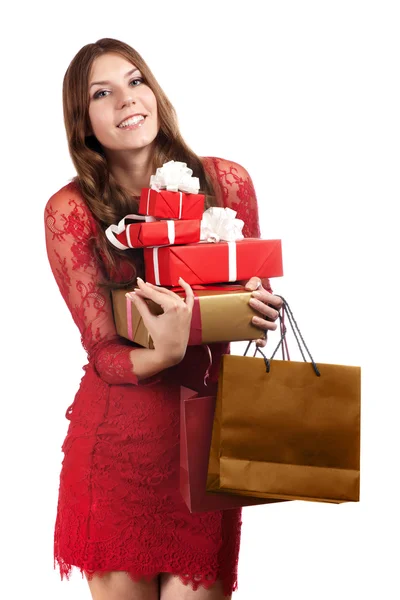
[[219, 224], [113, 230], [174, 176], [171, 232], [232, 269], [180, 205], [148, 202], [156, 266]]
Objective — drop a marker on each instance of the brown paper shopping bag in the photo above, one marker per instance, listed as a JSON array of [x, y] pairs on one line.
[[287, 429]]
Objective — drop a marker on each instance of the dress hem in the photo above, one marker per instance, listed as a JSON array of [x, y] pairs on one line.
[[66, 570]]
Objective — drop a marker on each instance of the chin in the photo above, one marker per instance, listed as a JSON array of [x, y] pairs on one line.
[[144, 143], [141, 145], [138, 144]]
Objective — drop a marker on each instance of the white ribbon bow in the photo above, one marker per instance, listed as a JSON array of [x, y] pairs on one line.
[[120, 228], [220, 225], [174, 176]]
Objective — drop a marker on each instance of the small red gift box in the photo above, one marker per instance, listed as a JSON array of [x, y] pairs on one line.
[[204, 263], [171, 205], [158, 233]]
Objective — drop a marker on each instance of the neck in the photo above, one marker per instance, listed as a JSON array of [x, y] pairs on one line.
[[131, 169]]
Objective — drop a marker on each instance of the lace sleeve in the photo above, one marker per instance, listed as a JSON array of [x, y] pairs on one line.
[[235, 189], [69, 235]]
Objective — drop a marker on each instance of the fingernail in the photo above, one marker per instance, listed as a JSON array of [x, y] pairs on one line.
[[130, 295], [140, 279], [256, 294]]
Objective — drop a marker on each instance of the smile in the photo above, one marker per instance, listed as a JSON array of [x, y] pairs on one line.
[[136, 120]]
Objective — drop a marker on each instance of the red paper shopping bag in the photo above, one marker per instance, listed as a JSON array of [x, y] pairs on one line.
[[197, 416]]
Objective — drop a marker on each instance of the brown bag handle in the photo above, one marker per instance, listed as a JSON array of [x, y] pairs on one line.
[[297, 334]]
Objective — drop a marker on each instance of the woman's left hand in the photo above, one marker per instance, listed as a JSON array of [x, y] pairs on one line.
[[266, 304]]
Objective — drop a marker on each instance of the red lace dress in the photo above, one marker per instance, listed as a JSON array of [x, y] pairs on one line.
[[119, 505]]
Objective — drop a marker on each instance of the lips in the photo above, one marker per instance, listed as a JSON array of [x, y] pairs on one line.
[[130, 117]]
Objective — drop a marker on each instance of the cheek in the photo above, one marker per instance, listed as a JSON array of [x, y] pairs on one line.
[[98, 117], [150, 100], [154, 110]]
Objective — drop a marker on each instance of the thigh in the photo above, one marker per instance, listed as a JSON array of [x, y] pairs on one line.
[[172, 588], [117, 585]]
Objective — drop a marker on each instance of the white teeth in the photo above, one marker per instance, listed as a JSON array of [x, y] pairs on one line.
[[132, 121]]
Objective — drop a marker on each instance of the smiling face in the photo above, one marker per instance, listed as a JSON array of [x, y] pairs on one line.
[[116, 92]]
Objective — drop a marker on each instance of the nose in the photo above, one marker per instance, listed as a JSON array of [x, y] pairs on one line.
[[126, 98]]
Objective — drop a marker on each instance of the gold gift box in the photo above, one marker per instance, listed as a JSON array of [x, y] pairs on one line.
[[220, 314]]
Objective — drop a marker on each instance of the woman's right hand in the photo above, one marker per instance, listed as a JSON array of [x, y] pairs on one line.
[[170, 330]]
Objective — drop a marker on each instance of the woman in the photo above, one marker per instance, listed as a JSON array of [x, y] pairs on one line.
[[121, 519]]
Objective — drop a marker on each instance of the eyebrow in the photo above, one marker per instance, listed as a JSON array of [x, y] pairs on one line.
[[107, 82]]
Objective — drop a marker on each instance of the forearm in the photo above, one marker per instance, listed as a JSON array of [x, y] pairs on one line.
[[147, 362]]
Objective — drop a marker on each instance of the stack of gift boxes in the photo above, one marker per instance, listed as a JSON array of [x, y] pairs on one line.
[[206, 249]]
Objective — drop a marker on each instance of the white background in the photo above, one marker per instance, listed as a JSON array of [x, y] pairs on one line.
[[305, 95]]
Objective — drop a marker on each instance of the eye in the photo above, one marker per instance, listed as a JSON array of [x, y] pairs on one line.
[[137, 79], [100, 92], [97, 94]]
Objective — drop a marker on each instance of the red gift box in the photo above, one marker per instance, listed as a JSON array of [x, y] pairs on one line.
[[204, 263], [171, 205], [158, 233]]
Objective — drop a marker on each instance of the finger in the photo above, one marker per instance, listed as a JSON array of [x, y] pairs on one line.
[[266, 285], [261, 343], [275, 301], [160, 289], [263, 324], [136, 292], [141, 306], [264, 309], [253, 284], [161, 298], [189, 293], [265, 296]]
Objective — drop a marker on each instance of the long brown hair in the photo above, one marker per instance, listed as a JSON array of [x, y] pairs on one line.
[[106, 199]]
